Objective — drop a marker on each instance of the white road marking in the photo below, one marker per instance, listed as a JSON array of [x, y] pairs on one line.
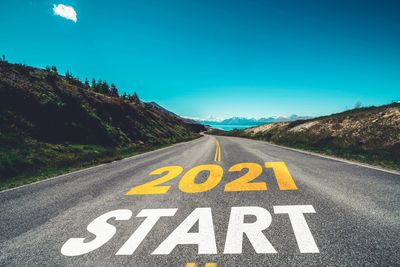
[[204, 238], [237, 228], [100, 228], [152, 217], [302, 232]]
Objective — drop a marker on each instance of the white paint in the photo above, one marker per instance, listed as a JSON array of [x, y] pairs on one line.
[[152, 217], [237, 228], [100, 228], [302, 232], [205, 238]]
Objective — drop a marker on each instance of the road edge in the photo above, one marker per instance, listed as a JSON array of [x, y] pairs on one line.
[[99, 165], [357, 163]]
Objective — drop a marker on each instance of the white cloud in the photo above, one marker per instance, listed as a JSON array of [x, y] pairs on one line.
[[67, 12]]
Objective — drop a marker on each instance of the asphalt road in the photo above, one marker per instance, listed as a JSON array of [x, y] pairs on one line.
[[356, 220]]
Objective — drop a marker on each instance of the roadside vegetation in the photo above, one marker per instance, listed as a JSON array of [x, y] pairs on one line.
[[365, 134], [50, 124]]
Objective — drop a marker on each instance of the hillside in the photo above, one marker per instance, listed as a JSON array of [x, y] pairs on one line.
[[186, 120], [49, 121], [370, 134]]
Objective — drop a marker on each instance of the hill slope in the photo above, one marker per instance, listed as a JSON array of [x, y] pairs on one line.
[[50, 121], [370, 134]]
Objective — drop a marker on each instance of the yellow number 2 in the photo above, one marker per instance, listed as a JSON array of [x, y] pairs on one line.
[[154, 187], [243, 183]]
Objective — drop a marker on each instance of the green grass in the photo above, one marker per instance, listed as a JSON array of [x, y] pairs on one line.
[[32, 161], [377, 158], [385, 159]]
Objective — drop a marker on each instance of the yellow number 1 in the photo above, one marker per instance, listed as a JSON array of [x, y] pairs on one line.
[[282, 175]]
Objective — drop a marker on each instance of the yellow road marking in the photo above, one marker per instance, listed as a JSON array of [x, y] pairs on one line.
[[216, 151], [217, 156], [209, 264], [282, 175]]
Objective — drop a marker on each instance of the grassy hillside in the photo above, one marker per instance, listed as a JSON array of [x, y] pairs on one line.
[[50, 123], [370, 134]]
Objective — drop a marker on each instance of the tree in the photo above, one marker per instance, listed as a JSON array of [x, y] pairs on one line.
[[54, 69], [52, 74], [131, 98], [135, 98], [68, 75], [124, 96], [86, 83], [113, 90], [104, 88], [94, 85]]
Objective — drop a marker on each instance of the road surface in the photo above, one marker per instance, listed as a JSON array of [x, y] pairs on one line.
[[350, 214]]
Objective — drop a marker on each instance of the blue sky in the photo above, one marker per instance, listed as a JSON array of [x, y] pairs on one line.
[[222, 58]]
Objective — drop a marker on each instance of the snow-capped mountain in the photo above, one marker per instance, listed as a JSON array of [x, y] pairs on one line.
[[250, 121]]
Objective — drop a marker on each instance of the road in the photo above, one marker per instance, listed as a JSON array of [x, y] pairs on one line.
[[356, 220]]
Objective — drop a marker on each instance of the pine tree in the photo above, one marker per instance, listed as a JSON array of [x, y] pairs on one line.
[[94, 85], [113, 90], [124, 96], [104, 88], [135, 98], [87, 86], [68, 75], [52, 74]]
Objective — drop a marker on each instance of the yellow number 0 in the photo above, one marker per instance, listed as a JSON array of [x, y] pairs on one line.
[[188, 185]]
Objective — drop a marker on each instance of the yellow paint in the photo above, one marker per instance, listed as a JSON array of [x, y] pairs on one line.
[[216, 151], [217, 156], [187, 183], [155, 187], [215, 173], [208, 264], [243, 183], [282, 175]]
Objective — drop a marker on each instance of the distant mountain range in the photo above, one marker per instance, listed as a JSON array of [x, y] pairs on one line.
[[369, 134], [250, 121]]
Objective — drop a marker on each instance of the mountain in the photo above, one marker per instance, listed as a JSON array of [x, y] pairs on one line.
[[50, 121], [194, 123], [369, 134], [251, 121]]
